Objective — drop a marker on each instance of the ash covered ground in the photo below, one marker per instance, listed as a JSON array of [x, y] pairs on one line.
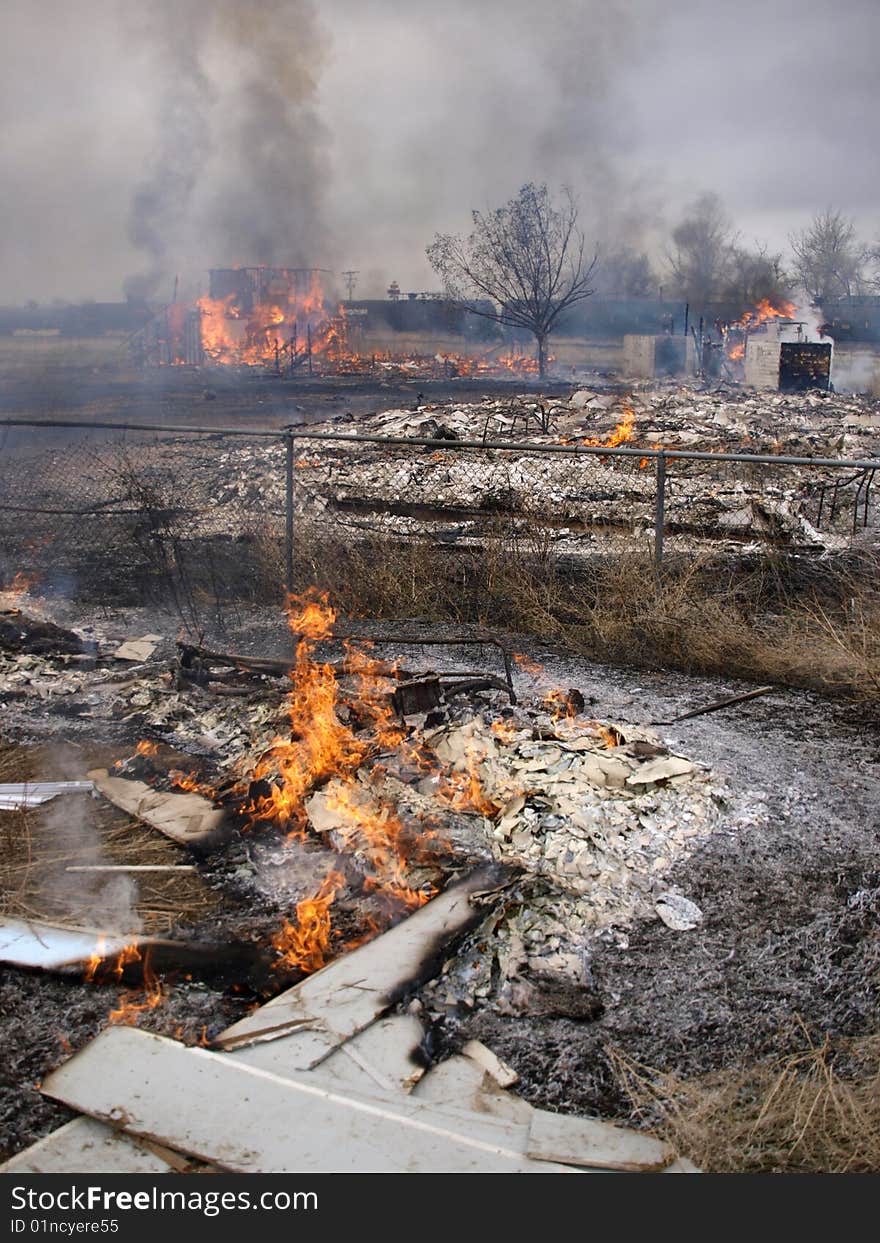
[[785, 877]]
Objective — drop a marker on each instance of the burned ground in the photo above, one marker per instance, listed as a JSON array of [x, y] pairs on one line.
[[783, 868], [787, 884]]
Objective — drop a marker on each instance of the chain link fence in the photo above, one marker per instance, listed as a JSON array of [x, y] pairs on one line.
[[121, 515], [204, 517]]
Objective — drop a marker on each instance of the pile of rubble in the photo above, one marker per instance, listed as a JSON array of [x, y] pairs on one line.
[[727, 418], [460, 495], [518, 830]]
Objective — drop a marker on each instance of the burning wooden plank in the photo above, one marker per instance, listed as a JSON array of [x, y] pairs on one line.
[[54, 947], [344, 997]]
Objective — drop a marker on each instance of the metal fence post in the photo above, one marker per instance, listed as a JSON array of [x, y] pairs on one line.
[[288, 512], [660, 508]]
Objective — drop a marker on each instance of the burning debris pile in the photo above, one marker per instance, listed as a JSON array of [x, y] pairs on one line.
[[381, 783], [282, 320], [453, 495], [335, 808]]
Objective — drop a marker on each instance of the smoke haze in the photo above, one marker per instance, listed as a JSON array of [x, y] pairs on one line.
[[144, 143]]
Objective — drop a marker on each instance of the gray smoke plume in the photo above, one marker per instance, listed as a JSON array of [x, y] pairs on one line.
[[237, 175], [106, 901], [160, 210]]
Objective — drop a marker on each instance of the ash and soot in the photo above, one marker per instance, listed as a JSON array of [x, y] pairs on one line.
[[439, 611]]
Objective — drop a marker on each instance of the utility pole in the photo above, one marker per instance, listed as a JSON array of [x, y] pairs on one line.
[[350, 280]]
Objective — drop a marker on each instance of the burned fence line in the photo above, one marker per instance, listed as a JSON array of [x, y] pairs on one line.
[[208, 516]]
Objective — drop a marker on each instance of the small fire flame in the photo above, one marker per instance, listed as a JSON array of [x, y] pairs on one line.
[[303, 946], [134, 1002], [21, 584], [147, 748], [623, 433], [529, 666], [560, 706], [505, 730]]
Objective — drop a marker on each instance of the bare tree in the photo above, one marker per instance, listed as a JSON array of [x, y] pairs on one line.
[[829, 260], [527, 259], [626, 273], [755, 275], [702, 250]]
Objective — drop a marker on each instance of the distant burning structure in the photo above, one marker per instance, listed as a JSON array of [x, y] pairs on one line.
[[282, 319]]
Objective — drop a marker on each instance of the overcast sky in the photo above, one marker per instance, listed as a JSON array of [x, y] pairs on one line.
[[344, 133]]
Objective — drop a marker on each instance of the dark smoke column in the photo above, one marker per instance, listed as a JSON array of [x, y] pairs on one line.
[[239, 173]]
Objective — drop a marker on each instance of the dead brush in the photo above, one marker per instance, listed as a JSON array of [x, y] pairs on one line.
[[813, 1110], [818, 627]]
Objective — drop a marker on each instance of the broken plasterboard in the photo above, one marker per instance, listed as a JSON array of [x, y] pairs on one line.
[[591, 1143], [184, 1098], [86, 1146], [51, 947], [188, 819], [20, 794], [138, 650], [380, 1057]]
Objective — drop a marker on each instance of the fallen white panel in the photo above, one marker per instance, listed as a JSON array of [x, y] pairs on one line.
[[138, 650], [344, 997], [50, 947], [250, 1121], [380, 1056], [185, 818], [85, 1146], [460, 1083], [20, 794], [599, 1145], [503, 1074], [454, 1081]]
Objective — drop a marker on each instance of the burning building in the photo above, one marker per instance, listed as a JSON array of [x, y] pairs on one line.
[[782, 358]]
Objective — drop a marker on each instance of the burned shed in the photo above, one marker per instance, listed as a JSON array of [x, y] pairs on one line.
[[789, 366]]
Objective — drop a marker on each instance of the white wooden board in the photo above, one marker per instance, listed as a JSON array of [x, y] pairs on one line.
[[249, 1121]]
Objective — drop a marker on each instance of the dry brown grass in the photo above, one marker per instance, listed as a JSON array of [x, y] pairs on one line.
[[813, 1110], [821, 632], [36, 845]]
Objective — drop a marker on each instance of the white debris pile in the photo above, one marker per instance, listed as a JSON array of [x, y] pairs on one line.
[[673, 414], [596, 827]]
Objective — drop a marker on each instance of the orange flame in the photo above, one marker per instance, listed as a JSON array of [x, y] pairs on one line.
[[21, 584], [303, 946], [381, 841], [765, 311], [559, 706], [146, 747], [528, 665], [622, 433], [134, 1002]]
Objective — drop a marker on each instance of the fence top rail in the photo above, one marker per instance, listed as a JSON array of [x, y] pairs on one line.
[[165, 428], [296, 433], [772, 459]]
